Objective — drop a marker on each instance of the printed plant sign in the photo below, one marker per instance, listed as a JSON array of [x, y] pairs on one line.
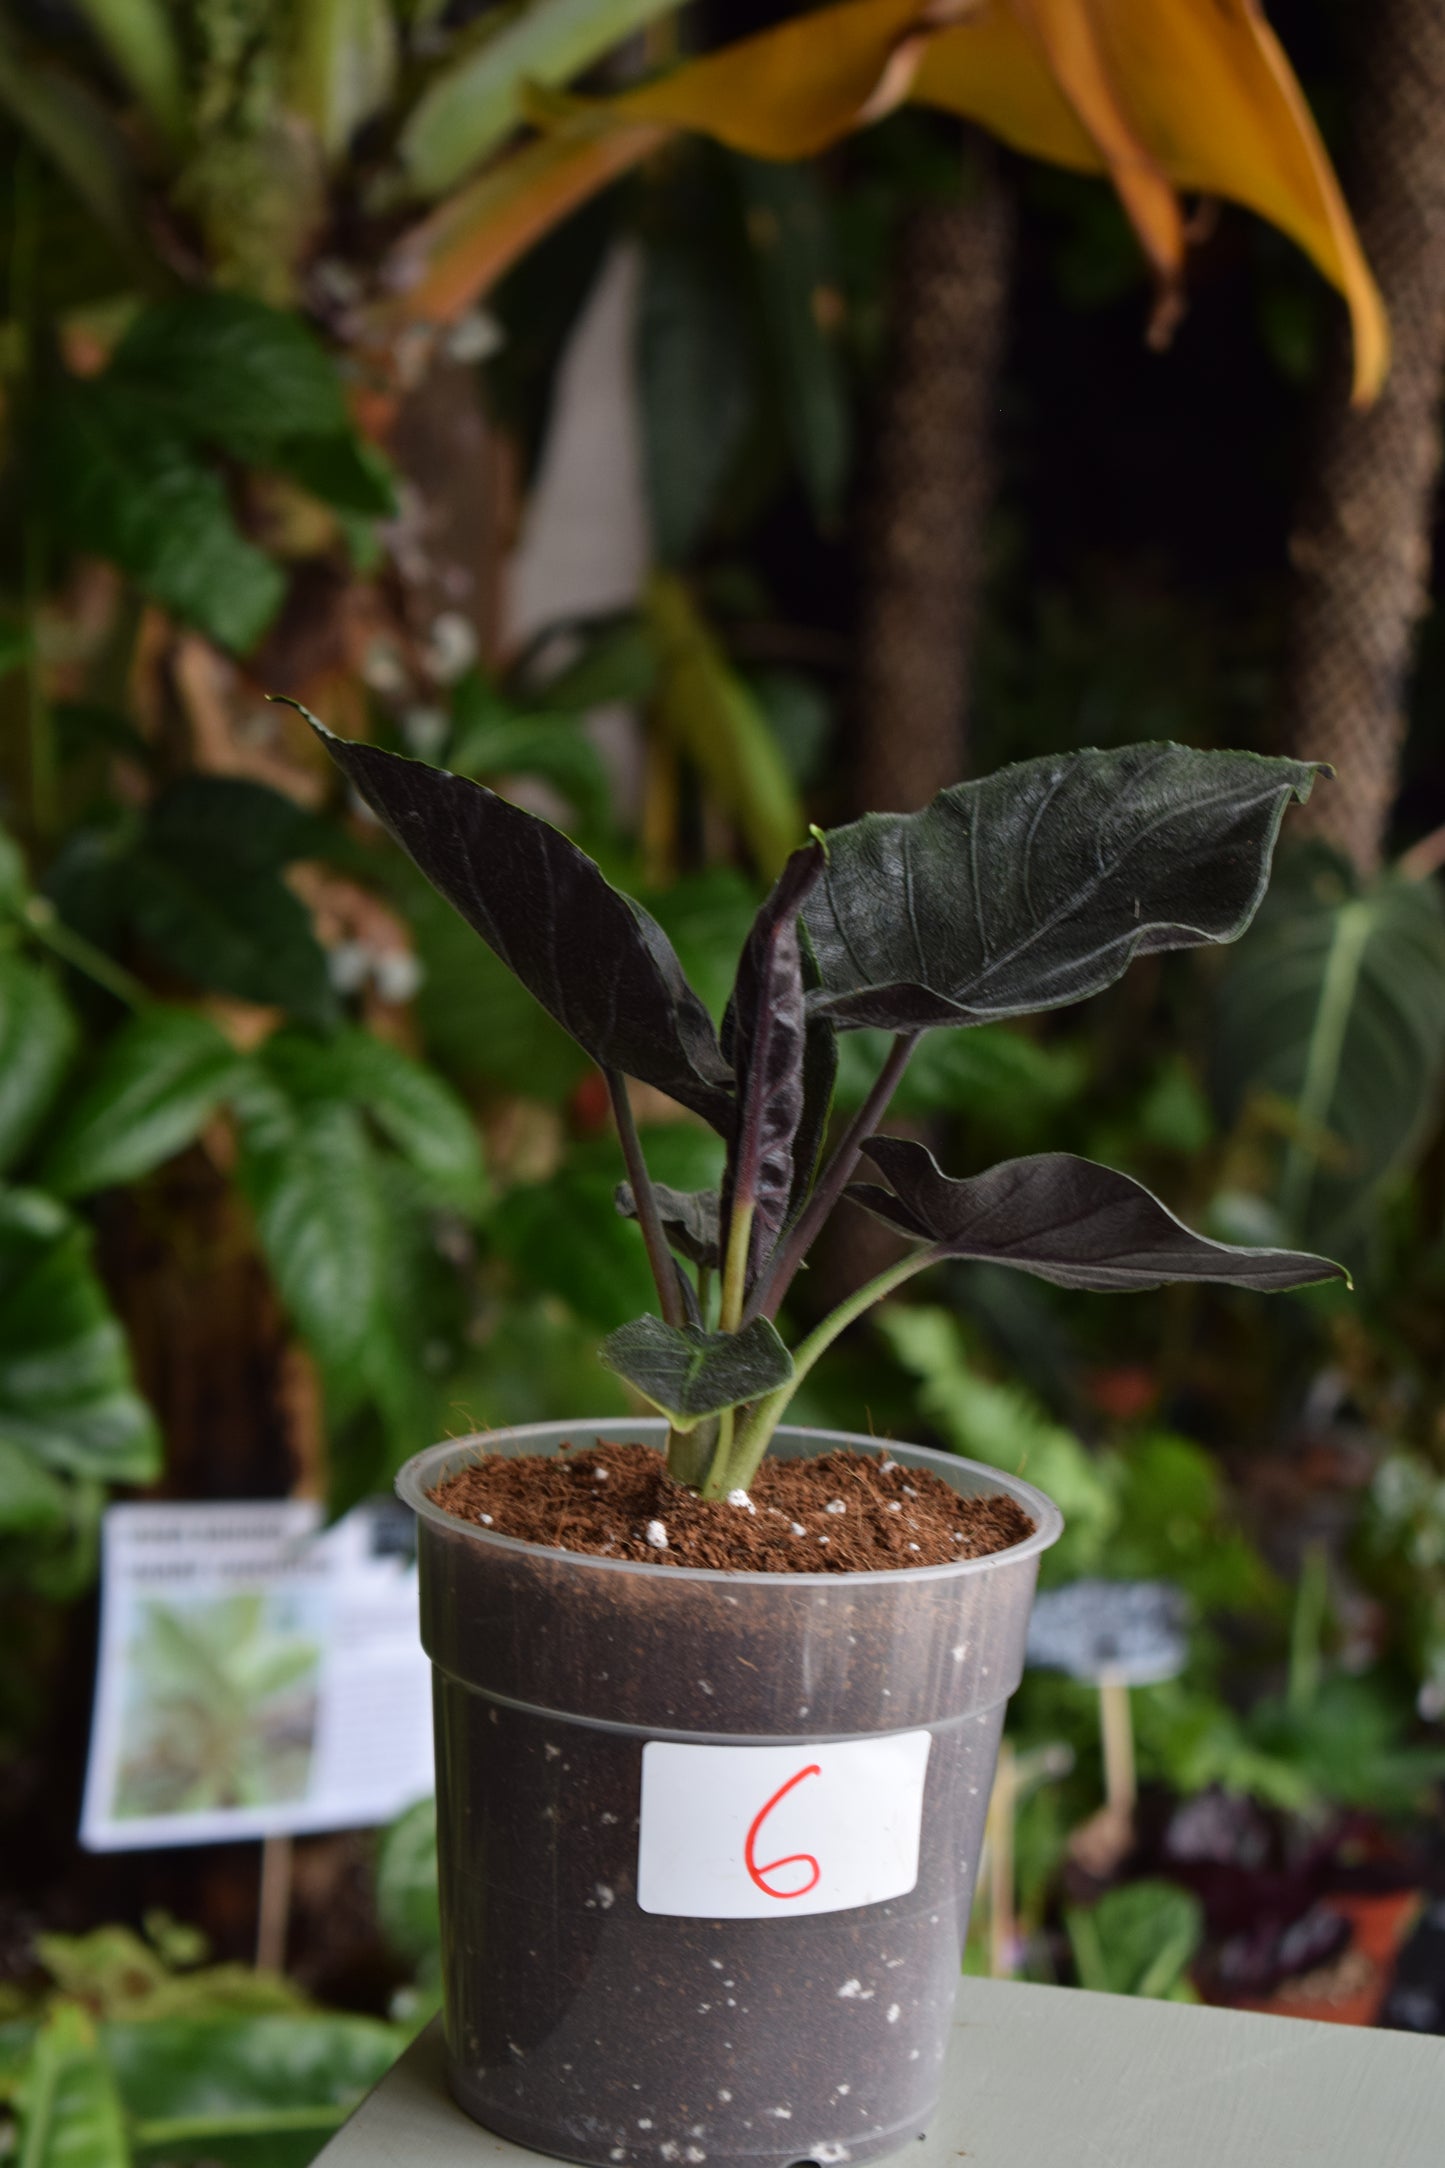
[[257, 1678]]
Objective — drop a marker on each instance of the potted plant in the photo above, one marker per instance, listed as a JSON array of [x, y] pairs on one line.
[[715, 1734]]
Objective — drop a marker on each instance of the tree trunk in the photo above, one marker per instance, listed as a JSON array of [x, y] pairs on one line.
[[1361, 550], [932, 485]]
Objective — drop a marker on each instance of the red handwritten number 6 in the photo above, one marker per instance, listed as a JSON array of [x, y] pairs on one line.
[[793, 1859]]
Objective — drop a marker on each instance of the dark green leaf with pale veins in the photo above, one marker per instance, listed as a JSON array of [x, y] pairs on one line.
[[690, 1374], [1066, 1220], [1040, 884]]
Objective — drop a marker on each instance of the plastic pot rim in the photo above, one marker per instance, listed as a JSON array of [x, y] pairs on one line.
[[424, 1470]]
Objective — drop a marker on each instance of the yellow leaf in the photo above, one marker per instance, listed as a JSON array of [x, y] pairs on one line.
[[442, 266], [789, 92], [1193, 93], [710, 715]]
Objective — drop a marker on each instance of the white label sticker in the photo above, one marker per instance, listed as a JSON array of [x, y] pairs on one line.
[[764, 1832]]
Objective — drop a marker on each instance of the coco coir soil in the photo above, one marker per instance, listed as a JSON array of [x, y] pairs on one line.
[[843, 1512]]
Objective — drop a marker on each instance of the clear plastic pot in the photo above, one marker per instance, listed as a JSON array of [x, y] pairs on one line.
[[584, 2026]]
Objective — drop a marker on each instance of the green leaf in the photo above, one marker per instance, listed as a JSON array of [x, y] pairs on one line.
[[791, 243], [37, 1040], [698, 390], [713, 717], [1138, 1940], [690, 1374], [66, 1394], [406, 1882], [689, 1219], [564, 1237], [413, 1107], [309, 1172], [341, 470], [594, 959], [34, 1502], [226, 370], [70, 2111], [156, 1084], [490, 738], [343, 66], [121, 481], [227, 924], [1066, 1220], [476, 100], [252, 2092], [1040, 884], [1335, 1007], [141, 39]]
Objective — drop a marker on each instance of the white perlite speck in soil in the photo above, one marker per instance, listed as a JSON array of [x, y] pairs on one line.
[[741, 1500], [835, 1505], [657, 1535]]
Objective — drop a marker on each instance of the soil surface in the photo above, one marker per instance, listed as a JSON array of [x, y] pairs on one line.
[[843, 1512]]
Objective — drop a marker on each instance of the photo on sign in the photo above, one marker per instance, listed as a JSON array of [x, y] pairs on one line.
[[258, 1675], [221, 1702]]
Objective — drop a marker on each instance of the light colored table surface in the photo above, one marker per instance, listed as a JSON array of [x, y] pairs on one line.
[[1049, 2077]]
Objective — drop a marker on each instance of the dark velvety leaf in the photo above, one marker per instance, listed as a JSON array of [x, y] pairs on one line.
[[66, 1394], [690, 1374], [1066, 1220], [37, 1040], [122, 483], [594, 959], [1040, 884], [763, 1038], [155, 1085], [820, 1077], [689, 1219]]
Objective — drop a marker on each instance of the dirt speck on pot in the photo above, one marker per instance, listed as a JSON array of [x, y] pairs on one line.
[[843, 1512]]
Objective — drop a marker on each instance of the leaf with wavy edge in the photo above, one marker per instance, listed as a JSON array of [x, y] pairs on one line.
[[1041, 883], [1067, 1220]]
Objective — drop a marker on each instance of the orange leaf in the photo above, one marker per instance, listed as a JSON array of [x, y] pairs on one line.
[[442, 266], [1193, 93], [788, 92]]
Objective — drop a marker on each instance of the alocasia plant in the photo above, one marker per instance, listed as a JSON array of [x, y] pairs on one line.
[[1031, 888]]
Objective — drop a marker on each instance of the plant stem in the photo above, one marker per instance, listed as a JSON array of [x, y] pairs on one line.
[[659, 1256], [50, 930], [774, 1284], [736, 1469], [735, 1268]]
